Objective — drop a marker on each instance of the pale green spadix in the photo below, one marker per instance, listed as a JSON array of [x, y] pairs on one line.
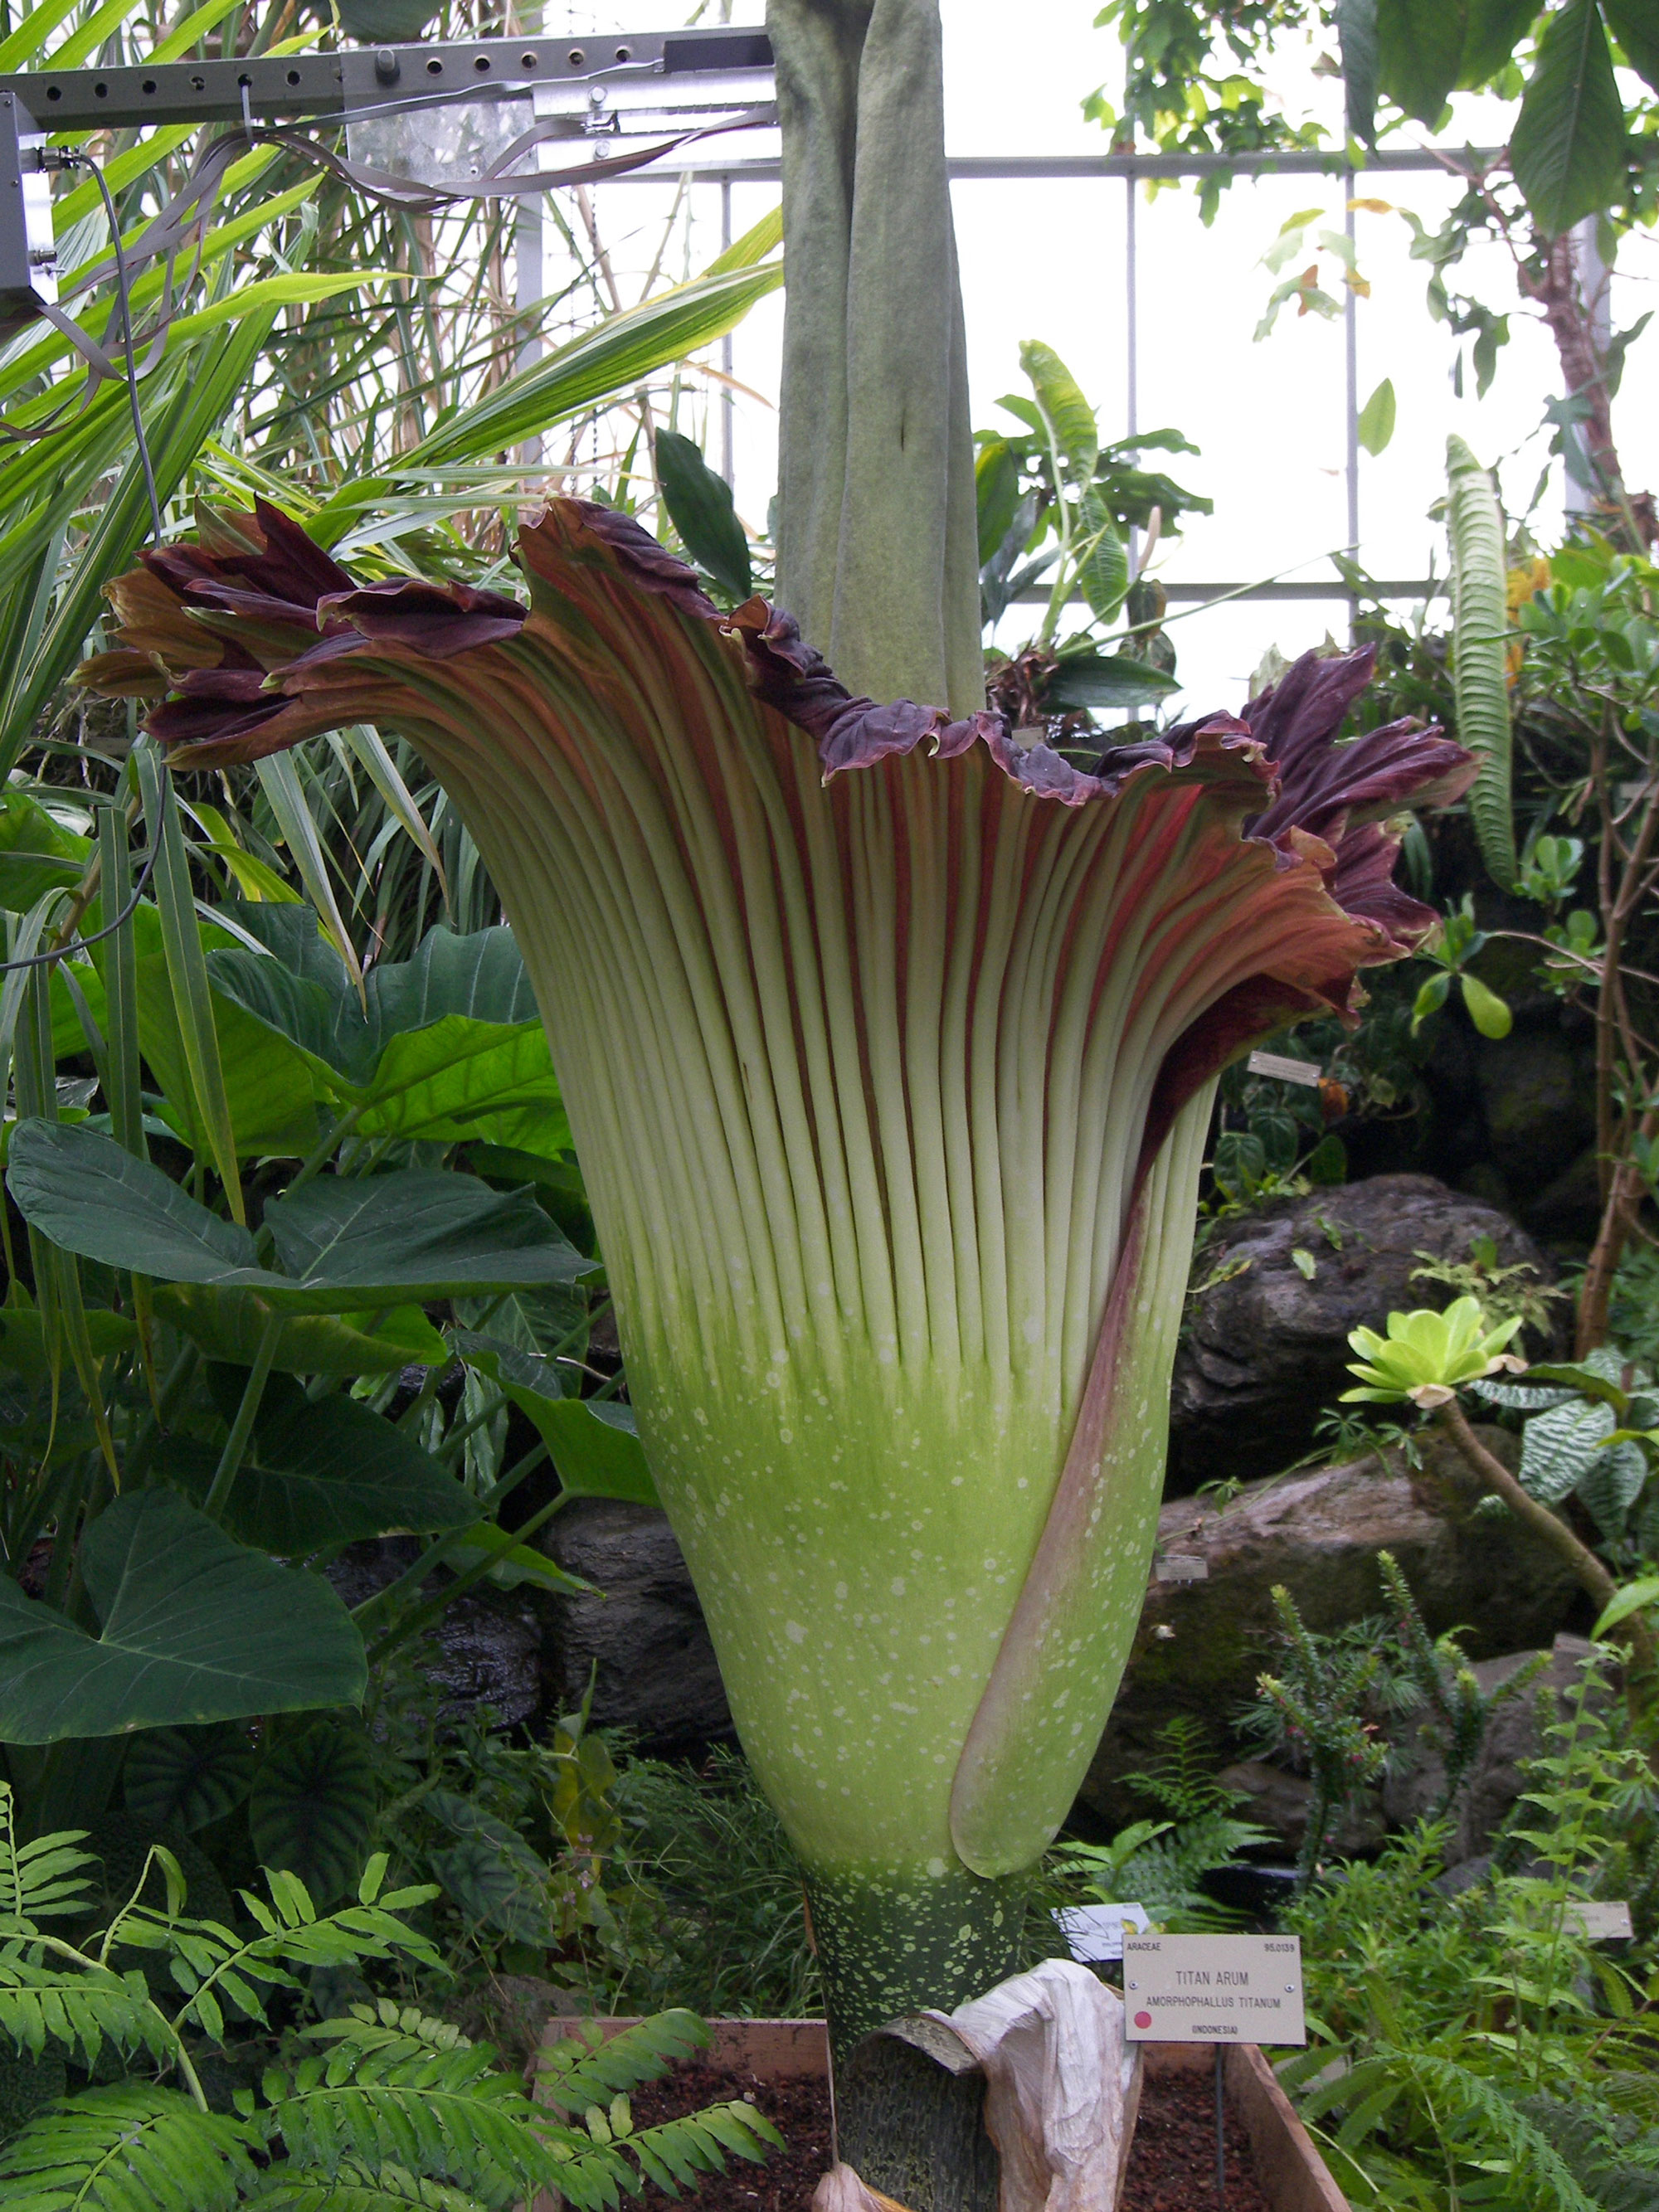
[[878, 541]]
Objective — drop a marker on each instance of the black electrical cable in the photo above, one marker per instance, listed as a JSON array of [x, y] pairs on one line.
[[126, 299], [80, 944]]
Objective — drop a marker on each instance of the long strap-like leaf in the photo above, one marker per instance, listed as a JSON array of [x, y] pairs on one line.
[[1479, 644]]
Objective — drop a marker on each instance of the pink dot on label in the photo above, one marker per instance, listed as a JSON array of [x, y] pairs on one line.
[[1143, 2020]]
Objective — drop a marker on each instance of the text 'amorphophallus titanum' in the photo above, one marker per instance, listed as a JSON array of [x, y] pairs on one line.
[[889, 1048]]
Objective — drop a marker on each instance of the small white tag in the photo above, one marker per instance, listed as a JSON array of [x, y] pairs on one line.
[[1600, 1923], [1181, 1567], [1213, 1989], [1630, 794], [1283, 1070], [1094, 1933]]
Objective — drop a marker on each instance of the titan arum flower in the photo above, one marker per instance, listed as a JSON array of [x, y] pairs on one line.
[[889, 1046]]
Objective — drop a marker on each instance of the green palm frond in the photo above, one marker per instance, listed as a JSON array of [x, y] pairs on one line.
[[356, 2189], [130, 2147], [39, 1879], [678, 2154], [575, 2075], [403, 2101], [82, 2007]]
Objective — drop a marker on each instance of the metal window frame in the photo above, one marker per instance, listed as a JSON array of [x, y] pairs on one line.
[[1135, 169]]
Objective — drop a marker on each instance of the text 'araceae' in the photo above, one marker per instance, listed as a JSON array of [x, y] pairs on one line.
[[889, 1049]]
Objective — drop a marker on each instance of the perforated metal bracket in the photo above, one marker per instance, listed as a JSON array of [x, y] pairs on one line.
[[288, 87]]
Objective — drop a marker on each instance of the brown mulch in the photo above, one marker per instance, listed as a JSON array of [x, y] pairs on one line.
[[799, 2111], [1172, 2159], [1171, 2165]]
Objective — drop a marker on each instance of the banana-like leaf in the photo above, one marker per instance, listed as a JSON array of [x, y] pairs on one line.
[[1479, 644], [194, 1627], [1065, 410]]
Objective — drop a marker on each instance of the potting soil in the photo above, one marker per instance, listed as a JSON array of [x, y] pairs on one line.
[[1171, 2163]]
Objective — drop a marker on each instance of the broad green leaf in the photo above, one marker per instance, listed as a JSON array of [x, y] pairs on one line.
[[194, 1628], [699, 505], [1420, 53], [1567, 149], [1105, 679], [1559, 1449], [1376, 418], [227, 1325], [1489, 1013], [328, 1471], [382, 1241], [512, 1562], [490, 1873], [1065, 410], [88, 1195], [435, 1043], [268, 1087], [37, 853], [596, 1449], [188, 1776], [1630, 1600], [415, 1235], [1637, 32], [996, 490], [23, 1348], [1494, 30], [1356, 31], [1103, 559], [312, 1805]]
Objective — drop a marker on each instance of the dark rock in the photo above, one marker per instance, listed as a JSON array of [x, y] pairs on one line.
[[1267, 1347], [1568, 1211], [1279, 1802], [656, 1670], [1200, 1645], [485, 1648], [1495, 1781], [1540, 1102]]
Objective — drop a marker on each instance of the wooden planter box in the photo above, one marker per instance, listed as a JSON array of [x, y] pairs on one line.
[[1292, 2175]]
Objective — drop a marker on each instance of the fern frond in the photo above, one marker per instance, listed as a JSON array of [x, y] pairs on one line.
[[82, 2008], [437, 2113], [131, 2147], [37, 1879], [573, 2075], [356, 2189], [674, 2154], [1479, 647], [1533, 2157]]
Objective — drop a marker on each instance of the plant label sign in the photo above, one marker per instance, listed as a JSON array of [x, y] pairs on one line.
[[1181, 1567], [1283, 1070], [1213, 1989], [1600, 1922], [1094, 1933]]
